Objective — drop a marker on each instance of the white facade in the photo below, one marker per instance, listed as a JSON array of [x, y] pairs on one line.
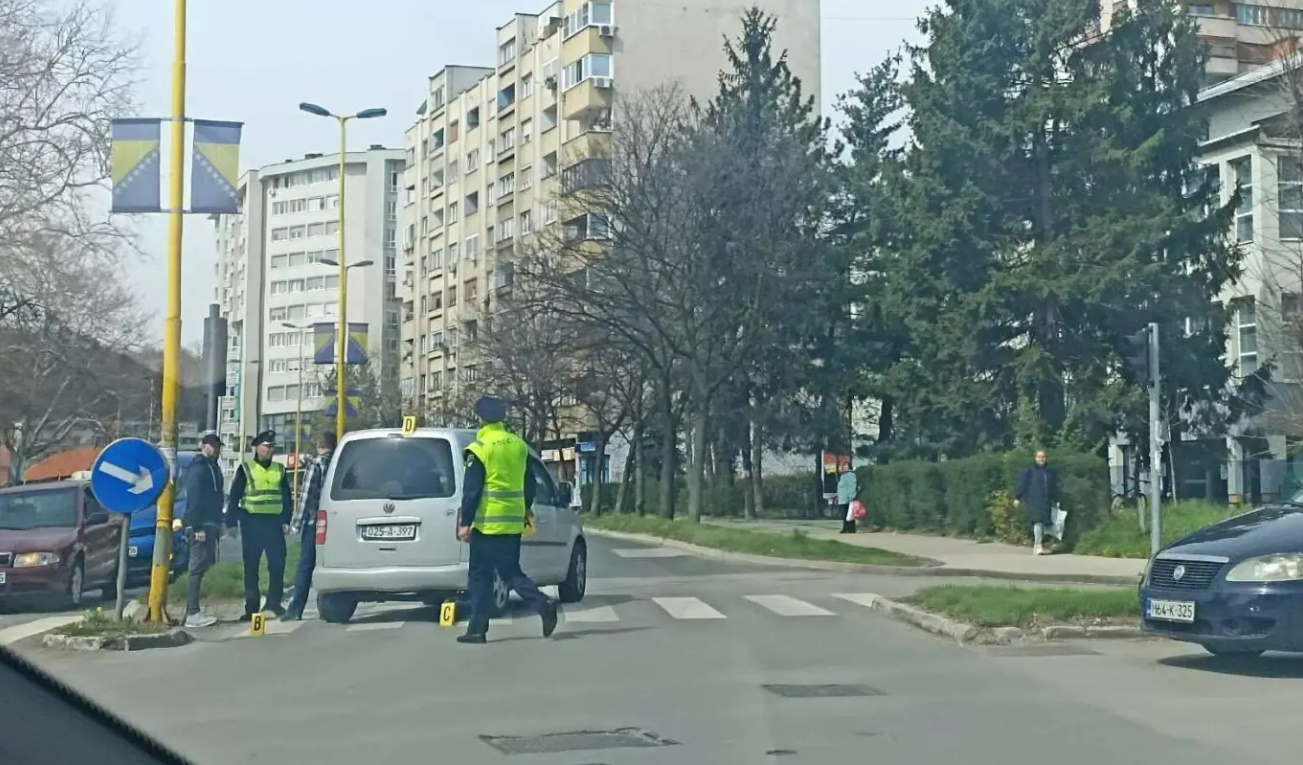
[[269, 274]]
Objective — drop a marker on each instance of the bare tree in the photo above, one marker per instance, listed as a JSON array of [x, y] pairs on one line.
[[57, 358]]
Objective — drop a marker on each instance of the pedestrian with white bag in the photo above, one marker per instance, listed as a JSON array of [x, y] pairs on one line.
[[1038, 490]]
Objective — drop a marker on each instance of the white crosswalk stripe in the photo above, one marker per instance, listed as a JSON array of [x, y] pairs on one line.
[[688, 608], [786, 605], [380, 617]]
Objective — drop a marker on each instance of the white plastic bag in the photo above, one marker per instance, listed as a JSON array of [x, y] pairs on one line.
[[1058, 518]]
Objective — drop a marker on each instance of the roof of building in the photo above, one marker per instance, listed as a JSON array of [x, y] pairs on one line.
[[63, 464], [1252, 77]]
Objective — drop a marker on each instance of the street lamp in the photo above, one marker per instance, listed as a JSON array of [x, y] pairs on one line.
[[341, 417], [298, 416]]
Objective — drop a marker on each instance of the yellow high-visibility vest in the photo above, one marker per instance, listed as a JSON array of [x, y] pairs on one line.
[[262, 488], [505, 457]]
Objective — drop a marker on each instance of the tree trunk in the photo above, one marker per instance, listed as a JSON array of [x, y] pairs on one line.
[[697, 459], [640, 474], [748, 476], [599, 462], [626, 483], [669, 444], [757, 485]]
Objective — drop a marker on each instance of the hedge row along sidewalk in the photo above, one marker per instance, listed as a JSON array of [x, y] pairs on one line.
[[794, 544]]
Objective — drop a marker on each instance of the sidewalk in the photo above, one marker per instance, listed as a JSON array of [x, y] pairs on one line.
[[1002, 560]]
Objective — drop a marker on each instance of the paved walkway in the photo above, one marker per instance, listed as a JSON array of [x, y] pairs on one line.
[[994, 557]]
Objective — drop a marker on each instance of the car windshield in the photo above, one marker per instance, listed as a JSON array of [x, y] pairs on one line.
[[394, 468], [38, 509]]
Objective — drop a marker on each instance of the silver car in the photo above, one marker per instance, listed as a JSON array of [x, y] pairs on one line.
[[386, 529]]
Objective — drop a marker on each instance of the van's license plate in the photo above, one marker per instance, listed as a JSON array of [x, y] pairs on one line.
[[403, 532], [1170, 610]]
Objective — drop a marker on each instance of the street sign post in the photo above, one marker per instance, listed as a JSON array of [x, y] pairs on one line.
[[128, 476]]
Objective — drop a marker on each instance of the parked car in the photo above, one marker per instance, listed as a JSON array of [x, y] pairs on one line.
[[140, 544], [386, 530], [55, 539], [1235, 588]]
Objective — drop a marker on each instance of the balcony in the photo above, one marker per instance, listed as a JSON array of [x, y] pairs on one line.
[[594, 39], [592, 95]]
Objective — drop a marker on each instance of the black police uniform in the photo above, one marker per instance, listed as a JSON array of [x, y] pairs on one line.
[[261, 535]]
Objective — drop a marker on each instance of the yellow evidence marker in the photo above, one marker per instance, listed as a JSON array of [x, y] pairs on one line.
[[258, 624], [448, 613], [409, 425]]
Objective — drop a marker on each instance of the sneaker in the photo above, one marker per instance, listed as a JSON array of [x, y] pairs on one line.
[[1038, 550], [277, 610], [472, 639], [549, 618], [198, 621], [292, 615]]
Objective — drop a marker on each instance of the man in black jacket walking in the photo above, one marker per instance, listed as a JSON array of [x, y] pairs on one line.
[[203, 522]]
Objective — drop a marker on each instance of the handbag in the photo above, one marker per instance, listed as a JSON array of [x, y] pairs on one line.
[[858, 512]]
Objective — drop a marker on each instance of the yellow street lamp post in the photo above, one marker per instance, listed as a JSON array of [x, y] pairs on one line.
[[341, 417]]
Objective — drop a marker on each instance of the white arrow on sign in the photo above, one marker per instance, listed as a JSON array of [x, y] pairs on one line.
[[140, 482]]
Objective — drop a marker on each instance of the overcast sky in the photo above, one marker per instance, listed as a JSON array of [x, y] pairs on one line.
[[254, 60]]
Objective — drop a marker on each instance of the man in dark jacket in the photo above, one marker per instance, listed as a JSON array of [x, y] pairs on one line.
[[306, 525], [1039, 489], [261, 505], [203, 521]]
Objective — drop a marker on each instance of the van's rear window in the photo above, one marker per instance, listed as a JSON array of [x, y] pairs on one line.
[[394, 468]]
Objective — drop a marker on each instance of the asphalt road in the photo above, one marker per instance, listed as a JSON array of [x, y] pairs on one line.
[[674, 659]]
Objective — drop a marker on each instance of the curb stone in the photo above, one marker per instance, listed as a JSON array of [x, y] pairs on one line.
[[929, 567], [967, 634], [170, 639]]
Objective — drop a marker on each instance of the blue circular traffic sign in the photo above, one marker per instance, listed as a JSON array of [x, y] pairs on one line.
[[129, 475]]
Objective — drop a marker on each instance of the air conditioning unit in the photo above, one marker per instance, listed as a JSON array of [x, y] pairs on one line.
[[602, 82], [550, 81], [606, 30]]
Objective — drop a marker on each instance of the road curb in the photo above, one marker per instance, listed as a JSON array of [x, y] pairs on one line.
[[935, 569], [170, 639], [968, 634]]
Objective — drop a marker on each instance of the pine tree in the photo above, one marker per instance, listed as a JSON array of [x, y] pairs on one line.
[[1052, 207]]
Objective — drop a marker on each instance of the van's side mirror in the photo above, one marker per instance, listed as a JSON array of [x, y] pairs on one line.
[[565, 492]]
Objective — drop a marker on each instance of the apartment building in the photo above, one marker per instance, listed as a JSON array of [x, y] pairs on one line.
[[492, 144], [1240, 36], [271, 273]]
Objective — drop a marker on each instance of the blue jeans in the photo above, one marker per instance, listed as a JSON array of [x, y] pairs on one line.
[[307, 562]]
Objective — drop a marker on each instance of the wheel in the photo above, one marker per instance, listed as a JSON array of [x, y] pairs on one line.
[[336, 607], [1242, 653], [501, 596], [76, 591], [576, 583]]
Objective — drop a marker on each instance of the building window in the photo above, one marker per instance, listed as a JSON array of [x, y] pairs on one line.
[[587, 15], [526, 85], [507, 52], [473, 118], [1257, 15], [1246, 324], [438, 98], [472, 161], [592, 65], [1242, 169], [1289, 179], [452, 296]]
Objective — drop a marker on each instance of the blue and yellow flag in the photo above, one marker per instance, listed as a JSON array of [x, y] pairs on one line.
[[324, 343], [215, 170], [352, 402], [136, 165]]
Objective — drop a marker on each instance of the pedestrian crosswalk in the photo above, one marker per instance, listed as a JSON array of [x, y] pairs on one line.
[[599, 610]]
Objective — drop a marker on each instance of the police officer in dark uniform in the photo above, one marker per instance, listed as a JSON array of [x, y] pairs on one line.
[[261, 506], [496, 497]]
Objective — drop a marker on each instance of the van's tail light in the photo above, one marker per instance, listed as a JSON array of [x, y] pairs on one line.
[[321, 527]]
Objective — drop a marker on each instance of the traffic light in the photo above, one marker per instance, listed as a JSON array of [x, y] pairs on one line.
[[1136, 351]]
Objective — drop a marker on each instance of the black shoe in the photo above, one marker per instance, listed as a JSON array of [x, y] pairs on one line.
[[277, 611], [472, 638], [292, 615], [549, 618], [248, 617]]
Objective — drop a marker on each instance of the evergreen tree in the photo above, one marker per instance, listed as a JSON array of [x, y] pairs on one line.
[[1050, 205]]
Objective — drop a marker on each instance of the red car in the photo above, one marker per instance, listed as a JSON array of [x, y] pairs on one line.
[[55, 539]]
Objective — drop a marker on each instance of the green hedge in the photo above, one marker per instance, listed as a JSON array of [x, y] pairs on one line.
[[957, 497]]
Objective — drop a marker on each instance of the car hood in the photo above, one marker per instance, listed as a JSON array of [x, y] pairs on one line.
[[1271, 529], [36, 540]]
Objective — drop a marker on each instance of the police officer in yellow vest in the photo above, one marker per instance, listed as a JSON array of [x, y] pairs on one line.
[[496, 500], [261, 505]]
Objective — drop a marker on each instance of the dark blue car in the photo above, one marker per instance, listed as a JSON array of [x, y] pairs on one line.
[[1235, 588], [140, 545]]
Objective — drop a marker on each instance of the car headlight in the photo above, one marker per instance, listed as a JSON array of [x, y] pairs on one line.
[[1281, 567], [35, 559], [176, 524]]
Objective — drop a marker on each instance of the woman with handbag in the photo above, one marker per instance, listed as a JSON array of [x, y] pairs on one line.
[[848, 491]]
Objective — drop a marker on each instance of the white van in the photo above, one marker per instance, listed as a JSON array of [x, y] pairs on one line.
[[386, 528]]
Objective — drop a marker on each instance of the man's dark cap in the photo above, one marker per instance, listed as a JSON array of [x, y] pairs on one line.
[[265, 437], [210, 439], [491, 409]]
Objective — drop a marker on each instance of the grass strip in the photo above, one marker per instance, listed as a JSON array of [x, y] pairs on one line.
[[1003, 606]]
